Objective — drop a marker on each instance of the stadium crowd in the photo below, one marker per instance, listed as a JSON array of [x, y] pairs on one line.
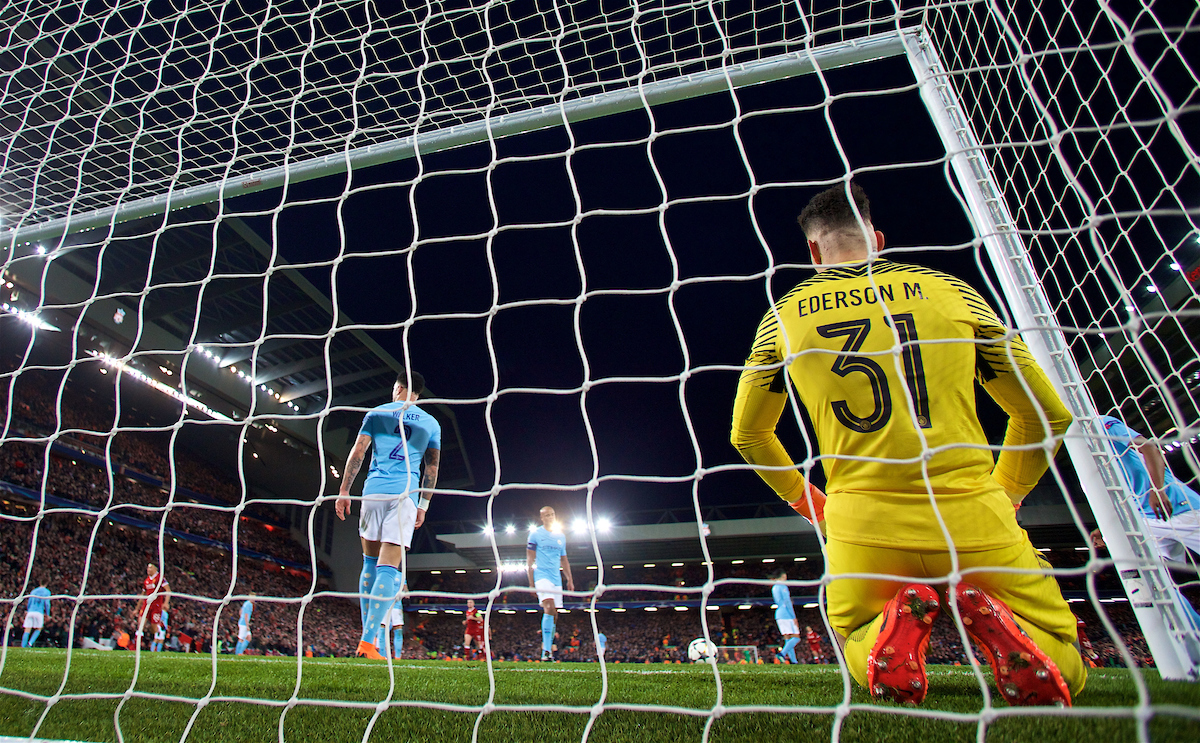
[[135, 458]]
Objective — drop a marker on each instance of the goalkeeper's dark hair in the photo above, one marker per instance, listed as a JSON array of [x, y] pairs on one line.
[[831, 210], [777, 574], [417, 386]]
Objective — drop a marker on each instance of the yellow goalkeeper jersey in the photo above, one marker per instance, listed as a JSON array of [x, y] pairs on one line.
[[891, 398]]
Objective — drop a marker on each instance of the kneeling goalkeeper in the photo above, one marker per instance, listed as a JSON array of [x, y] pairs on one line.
[[883, 357]]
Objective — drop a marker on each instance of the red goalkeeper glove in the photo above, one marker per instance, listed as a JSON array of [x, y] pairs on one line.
[[800, 505]]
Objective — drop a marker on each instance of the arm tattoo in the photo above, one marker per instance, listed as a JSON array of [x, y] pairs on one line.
[[352, 466], [433, 458]]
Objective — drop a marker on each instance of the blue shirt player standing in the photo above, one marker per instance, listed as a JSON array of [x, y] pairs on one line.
[[396, 496], [244, 625], [545, 561], [35, 615], [785, 615]]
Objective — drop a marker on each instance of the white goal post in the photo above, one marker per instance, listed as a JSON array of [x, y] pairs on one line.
[[1172, 640]]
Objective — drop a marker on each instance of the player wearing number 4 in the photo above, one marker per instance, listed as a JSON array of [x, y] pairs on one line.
[[401, 437], [883, 357]]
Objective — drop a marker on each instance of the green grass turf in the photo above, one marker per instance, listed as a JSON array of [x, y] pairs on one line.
[[550, 688]]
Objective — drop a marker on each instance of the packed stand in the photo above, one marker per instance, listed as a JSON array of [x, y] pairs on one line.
[[112, 562]]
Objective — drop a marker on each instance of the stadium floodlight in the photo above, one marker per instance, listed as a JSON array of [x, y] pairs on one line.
[[736, 562], [41, 250], [648, 565], [799, 559], [129, 371], [461, 572], [650, 608], [603, 525], [810, 606], [713, 607], [532, 528], [533, 611], [617, 567], [677, 564], [579, 526], [745, 606], [29, 318], [488, 530], [681, 608], [768, 559], [510, 529], [619, 609]]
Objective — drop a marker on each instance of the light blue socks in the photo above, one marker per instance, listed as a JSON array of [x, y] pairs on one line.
[[383, 596], [547, 632], [366, 581], [789, 649]]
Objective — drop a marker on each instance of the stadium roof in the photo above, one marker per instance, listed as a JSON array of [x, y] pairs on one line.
[[163, 290]]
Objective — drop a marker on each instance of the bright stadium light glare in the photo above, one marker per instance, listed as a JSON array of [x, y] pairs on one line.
[[151, 382], [681, 608], [29, 318], [488, 530], [510, 529], [579, 527], [677, 564], [617, 567], [737, 562], [41, 250], [648, 565], [603, 525], [619, 609], [532, 528], [650, 608], [799, 559], [533, 611], [744, 606], [810, 606], [712, 607], [768, 559]]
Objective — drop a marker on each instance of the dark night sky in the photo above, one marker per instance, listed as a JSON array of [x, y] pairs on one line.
[[639, 427]]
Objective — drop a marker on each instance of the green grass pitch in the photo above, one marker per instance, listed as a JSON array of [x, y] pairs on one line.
[[561, 696]]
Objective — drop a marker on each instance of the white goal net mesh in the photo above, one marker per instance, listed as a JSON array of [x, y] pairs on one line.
[[226, 228]]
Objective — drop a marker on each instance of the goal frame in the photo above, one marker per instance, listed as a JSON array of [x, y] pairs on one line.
[[1143, 574]]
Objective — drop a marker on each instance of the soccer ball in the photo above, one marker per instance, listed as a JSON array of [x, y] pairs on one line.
[[700, 648]]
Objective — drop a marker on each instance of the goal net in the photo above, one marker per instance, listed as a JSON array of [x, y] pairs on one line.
[[226, 228]]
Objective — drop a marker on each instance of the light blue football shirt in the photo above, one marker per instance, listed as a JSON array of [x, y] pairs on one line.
[[39, 600], [1181, 497], [550, 546], [601, 641], [400, 438], [783, 602], [247, 610]]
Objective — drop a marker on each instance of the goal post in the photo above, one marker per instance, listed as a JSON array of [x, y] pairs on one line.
[[1147, 583]]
